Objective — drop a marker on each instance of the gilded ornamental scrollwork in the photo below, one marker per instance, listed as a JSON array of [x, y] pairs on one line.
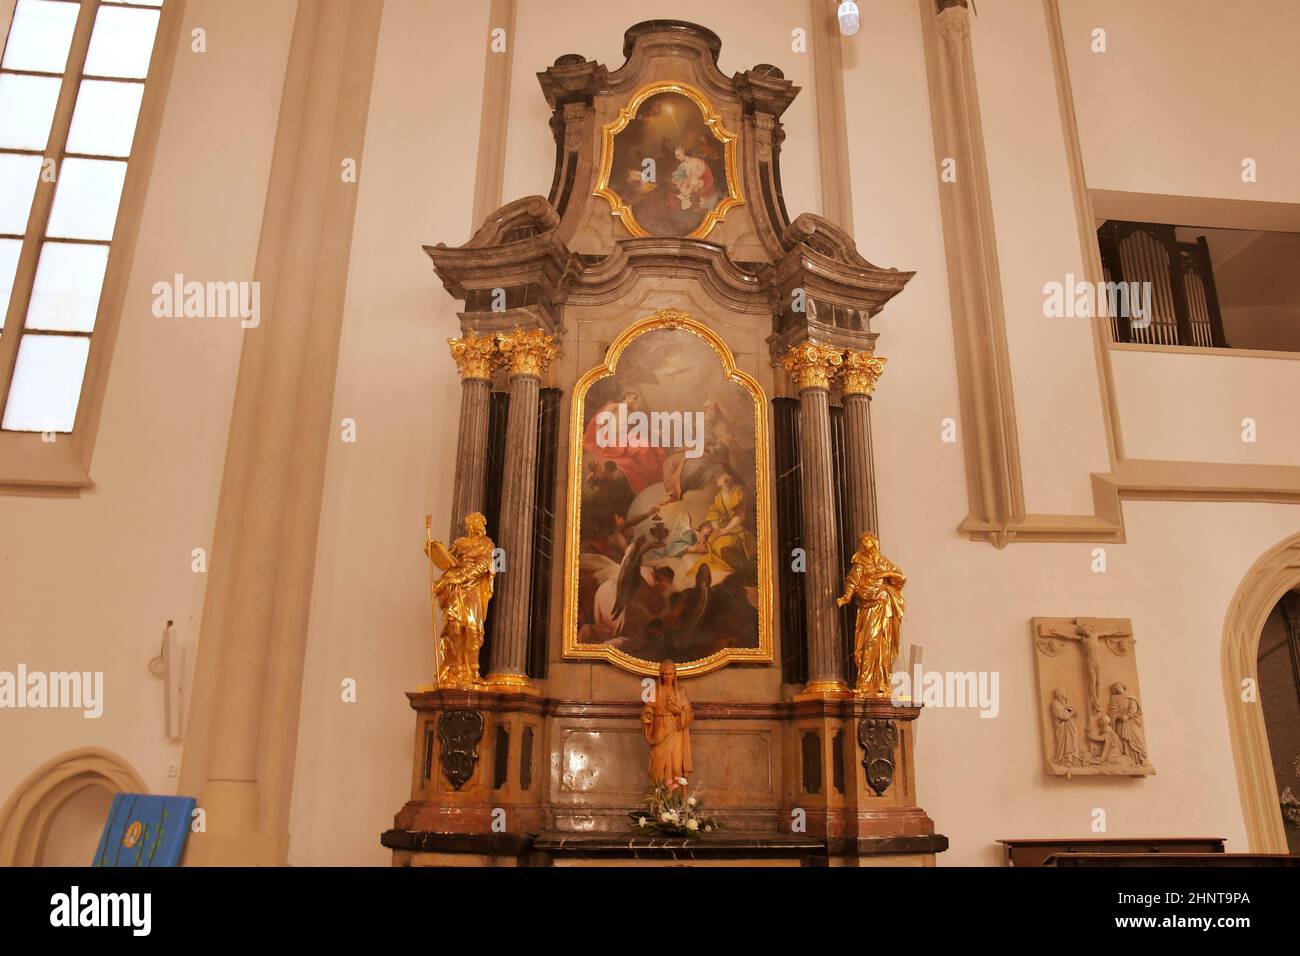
[[527, 351], [522, 351], [475, 355], [813, 366], [860, 372]]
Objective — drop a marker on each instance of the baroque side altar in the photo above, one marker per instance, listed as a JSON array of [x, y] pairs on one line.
[[665, 586]]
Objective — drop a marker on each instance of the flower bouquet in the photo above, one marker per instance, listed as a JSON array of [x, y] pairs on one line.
[[673, 811]]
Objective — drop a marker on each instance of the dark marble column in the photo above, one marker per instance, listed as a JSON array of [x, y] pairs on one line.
[[475, 357], [812, 367], [529, 353], [858, 378]]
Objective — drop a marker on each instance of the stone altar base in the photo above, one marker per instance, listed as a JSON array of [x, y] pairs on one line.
[[515, 778]]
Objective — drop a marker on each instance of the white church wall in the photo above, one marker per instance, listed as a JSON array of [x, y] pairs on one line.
[[1185, 92], [370, 615], [88, 583], [969, 605]]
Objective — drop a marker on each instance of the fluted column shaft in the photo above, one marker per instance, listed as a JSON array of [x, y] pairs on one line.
[[471, 453], [529, 353], [820, 541], [859, 464], [812, 367], [858, 376], [476, 356]]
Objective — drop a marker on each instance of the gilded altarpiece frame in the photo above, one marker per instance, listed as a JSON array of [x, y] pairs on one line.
[[667, 546], [695, 180]]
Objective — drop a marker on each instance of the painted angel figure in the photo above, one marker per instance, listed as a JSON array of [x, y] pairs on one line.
[[463, 593], [628, 593], [1065, 732]]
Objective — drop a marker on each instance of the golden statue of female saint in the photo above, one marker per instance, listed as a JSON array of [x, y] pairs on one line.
[[876, 584], [664, 721], [463, 593]]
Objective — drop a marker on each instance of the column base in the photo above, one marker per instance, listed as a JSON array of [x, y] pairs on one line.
[[509, 684], [824, 690], [236, 849]]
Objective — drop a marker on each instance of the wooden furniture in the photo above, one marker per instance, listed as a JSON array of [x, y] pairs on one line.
[[1036, 852], [1087, 860]]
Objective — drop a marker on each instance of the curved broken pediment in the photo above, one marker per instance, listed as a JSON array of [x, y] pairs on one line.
[[667, 169]]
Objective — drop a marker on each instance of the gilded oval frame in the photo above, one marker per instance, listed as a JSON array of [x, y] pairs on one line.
[[762, 654], [713, 121]]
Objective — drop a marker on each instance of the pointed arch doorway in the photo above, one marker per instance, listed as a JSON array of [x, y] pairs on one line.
[[27, 816], [1275, 574]]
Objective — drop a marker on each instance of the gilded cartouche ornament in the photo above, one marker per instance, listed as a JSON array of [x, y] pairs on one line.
[[875, 585], [462, 592], [528, 352], [860, 372], [475, 355], [811, 365]]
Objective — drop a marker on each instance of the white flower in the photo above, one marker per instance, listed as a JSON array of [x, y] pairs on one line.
[[673, 817], [708, 828], [666, 817], [692, 824], [641, 822], [681, 781], [690, 801]]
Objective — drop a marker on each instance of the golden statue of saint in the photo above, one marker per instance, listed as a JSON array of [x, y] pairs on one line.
[[665, 721], [463, 593], [876, 584]]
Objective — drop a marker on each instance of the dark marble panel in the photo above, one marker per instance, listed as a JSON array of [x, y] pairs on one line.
[[793, 622], [526, 759], [811, 745], [501, 758], [539, 597]]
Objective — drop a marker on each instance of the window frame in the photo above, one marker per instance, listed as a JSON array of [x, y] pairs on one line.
[[31, 464]]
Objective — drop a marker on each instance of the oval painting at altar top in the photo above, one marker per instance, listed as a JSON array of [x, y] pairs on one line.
[[668, 165]]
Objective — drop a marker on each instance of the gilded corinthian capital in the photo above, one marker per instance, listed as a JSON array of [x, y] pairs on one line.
[[528, 352], [475, 355], [860, 372], [812, 366]]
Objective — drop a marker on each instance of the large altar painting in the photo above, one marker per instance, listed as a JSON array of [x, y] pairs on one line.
[[667, 166], [667, 555]]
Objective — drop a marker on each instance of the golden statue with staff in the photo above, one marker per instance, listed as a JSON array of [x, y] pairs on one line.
[[462, 592], [875, 584]]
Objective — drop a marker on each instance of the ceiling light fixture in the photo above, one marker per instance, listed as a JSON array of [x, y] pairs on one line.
[[848, 14]]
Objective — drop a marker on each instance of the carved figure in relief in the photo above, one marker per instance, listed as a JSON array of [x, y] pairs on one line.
[[1125, 713], [1089, 637], [1065, 731], [1091, 712]]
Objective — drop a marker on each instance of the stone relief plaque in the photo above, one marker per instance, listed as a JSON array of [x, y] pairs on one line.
[[667, 165], [1089, 703], [667, 555]]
